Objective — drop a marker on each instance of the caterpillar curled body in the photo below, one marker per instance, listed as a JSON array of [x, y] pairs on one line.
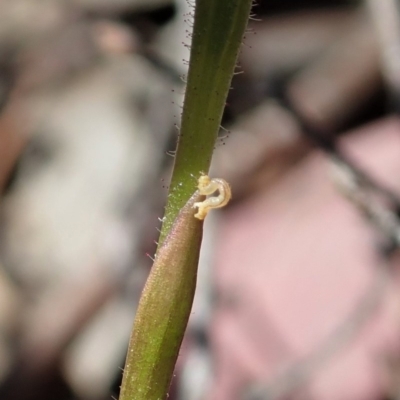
[[208, 186]]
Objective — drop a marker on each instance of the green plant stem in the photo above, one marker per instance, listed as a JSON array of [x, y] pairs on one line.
[[167, 298], [163, 310], [217, 35]]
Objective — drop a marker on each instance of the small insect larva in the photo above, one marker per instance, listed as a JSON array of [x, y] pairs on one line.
[[208, 186]]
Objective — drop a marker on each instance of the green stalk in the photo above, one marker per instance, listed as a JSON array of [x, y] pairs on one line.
[[163, 311], [167, 298], [217, 35]]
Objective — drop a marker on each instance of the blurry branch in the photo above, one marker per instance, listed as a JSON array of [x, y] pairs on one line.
[[368, 199]]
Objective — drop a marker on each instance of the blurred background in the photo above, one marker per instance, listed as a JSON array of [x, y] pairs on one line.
[[298, 291]]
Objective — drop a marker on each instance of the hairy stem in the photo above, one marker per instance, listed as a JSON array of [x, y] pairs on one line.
[[167, 298]]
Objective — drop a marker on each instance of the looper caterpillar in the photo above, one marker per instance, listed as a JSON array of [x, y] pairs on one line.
[[208, 186]]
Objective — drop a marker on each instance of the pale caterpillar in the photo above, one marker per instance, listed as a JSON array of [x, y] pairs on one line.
[[208, 186]]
